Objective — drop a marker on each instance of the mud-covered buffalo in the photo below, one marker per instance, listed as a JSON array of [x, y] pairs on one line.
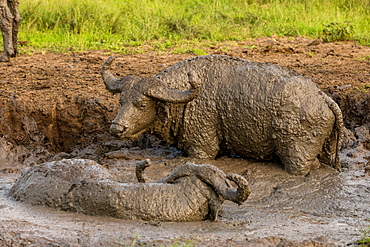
[[243, 108], [189, 193]]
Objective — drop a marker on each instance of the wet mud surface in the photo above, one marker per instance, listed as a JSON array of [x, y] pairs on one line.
[[55, 106]]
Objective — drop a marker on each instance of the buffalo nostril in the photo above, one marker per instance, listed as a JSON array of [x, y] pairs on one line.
[[118, 128]]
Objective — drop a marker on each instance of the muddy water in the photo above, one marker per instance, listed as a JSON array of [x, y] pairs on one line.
[[326, 207], [59, 99]]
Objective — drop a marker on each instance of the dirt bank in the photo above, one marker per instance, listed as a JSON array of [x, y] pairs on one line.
[[57, 104]]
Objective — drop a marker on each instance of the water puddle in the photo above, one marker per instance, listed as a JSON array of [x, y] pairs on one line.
[[328, 205]]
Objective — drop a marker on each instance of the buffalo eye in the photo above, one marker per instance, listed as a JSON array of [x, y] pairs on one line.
[[143, 105]]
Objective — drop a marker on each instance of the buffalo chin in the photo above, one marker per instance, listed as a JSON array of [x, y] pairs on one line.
[[130, 137]]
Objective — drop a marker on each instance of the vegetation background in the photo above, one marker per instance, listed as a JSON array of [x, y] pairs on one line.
[[126, 26], [120, 25]]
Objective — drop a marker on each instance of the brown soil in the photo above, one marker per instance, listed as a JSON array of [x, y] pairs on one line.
[[52, 103], [59, 100]]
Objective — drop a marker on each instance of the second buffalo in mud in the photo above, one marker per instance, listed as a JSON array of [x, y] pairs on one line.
[[214, 105], [189, 193]]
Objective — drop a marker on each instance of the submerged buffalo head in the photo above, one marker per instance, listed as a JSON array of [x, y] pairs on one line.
[[138, 99]]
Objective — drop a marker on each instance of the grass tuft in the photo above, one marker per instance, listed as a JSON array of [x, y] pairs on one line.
[[365, 239]]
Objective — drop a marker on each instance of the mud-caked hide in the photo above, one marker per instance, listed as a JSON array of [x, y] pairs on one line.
[[190, 193], [243, 108]]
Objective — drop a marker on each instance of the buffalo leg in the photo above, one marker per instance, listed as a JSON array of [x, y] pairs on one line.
[[299, 156], [202, 147], [214, 207], [214, 177], [139, 170], [300, 142], [9, 22], [298, 164]]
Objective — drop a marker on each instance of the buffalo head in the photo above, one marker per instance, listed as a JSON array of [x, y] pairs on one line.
[[139, 97]]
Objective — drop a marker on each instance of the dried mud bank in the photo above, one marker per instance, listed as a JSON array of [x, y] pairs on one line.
[[55, 106]]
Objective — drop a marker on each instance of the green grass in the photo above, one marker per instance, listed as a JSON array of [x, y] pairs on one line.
[[365, 239], [120, 25]]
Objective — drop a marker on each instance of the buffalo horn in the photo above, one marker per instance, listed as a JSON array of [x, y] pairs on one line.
[[111, 82]]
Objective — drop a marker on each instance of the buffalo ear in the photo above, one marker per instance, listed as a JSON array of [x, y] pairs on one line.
[[161, 91], [162, 110]]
